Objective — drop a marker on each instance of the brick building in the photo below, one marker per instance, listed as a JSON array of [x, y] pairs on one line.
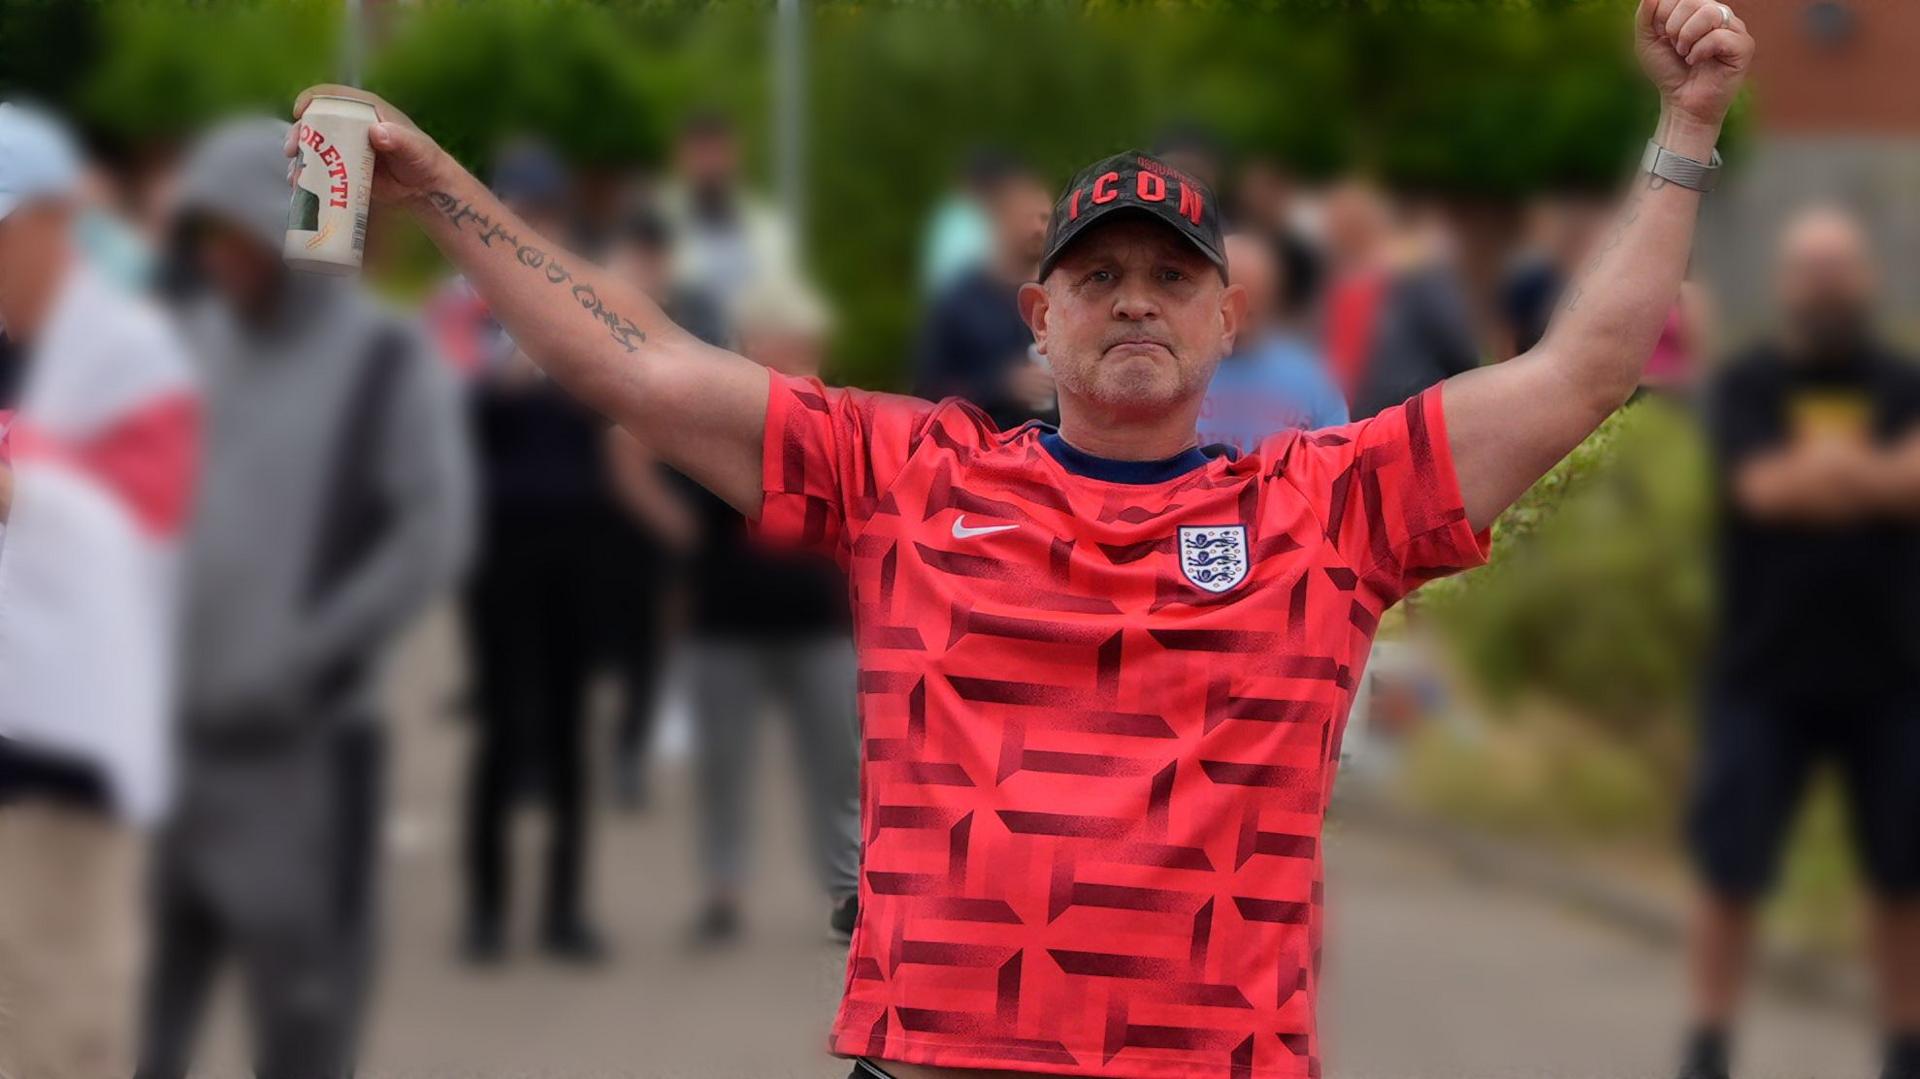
[[1837, 118]]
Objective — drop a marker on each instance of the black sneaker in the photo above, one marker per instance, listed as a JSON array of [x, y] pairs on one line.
[[574, 942], [717, 926], [846, 914], [1706, 1053], [484, 945], [1903, 1056]]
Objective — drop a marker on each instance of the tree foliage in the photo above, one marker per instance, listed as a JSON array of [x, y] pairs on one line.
[[1488, 98]]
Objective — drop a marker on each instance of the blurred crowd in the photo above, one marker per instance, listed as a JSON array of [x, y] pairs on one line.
[[291, 470]]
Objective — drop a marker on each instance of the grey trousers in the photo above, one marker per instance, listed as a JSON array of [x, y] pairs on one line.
[[812, 682], [269, 864]]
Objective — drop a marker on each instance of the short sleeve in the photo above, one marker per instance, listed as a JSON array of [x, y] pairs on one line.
[[1386, 495], [828, 459]]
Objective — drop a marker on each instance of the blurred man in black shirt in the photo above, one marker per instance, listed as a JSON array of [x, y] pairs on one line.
[[974, 344], [1562, 231], [533, 606], [1817, 436]]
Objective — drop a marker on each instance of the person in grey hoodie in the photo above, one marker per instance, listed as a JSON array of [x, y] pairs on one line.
[[334, 506]]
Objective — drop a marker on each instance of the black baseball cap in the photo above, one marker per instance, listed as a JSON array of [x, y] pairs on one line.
[[1136, 183]]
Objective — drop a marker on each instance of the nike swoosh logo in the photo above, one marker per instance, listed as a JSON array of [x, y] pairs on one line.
[[961, 531]]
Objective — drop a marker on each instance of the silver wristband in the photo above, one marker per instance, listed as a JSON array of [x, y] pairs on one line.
[[1678, 169]]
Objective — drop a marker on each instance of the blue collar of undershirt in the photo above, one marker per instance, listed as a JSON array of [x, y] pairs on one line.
[[1081, 463]]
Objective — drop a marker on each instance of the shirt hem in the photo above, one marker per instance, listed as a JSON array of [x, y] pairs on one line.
[[946, 1054]]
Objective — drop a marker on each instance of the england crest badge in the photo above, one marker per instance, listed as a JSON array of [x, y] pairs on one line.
[[1214, 557]]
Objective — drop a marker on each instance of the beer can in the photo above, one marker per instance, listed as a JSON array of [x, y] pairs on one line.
[[332, 186]]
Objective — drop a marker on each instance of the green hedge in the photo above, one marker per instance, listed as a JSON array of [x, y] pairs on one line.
[[1596, 598]]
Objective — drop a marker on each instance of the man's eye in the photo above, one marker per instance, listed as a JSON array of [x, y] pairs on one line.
[[1173, 275], [1100, 277]]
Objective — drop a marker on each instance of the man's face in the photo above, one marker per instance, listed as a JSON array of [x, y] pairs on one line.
[[34, 243], [1356, 222], [239, 268], [709, 159], [1020, 210], [1265, 195], [1827, 281], [1251, 265], [1133, 319]]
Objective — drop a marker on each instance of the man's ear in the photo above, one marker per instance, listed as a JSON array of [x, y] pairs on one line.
[[1033, 310], [1233, 313]]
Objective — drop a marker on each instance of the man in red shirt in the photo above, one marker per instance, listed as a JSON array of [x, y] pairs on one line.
[[1104, 671]]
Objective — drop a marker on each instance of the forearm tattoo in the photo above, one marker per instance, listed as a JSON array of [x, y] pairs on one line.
[[1615, 237], [536, 260]]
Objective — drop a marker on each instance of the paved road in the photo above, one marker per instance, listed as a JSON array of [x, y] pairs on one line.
[[1431, 977]]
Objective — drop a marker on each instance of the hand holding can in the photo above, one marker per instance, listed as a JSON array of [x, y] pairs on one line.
[[332, 180], [386, 159]]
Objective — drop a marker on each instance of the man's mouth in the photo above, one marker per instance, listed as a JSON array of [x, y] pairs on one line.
[[1130, 345]]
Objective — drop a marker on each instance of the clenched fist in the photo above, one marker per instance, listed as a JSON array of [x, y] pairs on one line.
[[1697, 53]]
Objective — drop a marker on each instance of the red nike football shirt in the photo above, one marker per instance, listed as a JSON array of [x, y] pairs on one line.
[[1101, 704]]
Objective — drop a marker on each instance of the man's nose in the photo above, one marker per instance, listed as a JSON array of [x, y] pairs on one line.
[[1135, 303]]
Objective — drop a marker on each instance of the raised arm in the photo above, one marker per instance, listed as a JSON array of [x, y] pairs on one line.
[[1509, 423], [702, 409]]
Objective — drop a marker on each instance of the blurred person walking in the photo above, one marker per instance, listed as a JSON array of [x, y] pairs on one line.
[[959, 234], [973, 344], [535, 604], [335, 506], [1356, 224], [727, 240], [1423, 330], [1397, 316], [1272, 381], [1817, 438], [1267, 204], [771, 630], [1082, 731], [94, 502]]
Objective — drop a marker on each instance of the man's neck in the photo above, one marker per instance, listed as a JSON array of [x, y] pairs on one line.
[[1128, 436], [1828, 351]]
